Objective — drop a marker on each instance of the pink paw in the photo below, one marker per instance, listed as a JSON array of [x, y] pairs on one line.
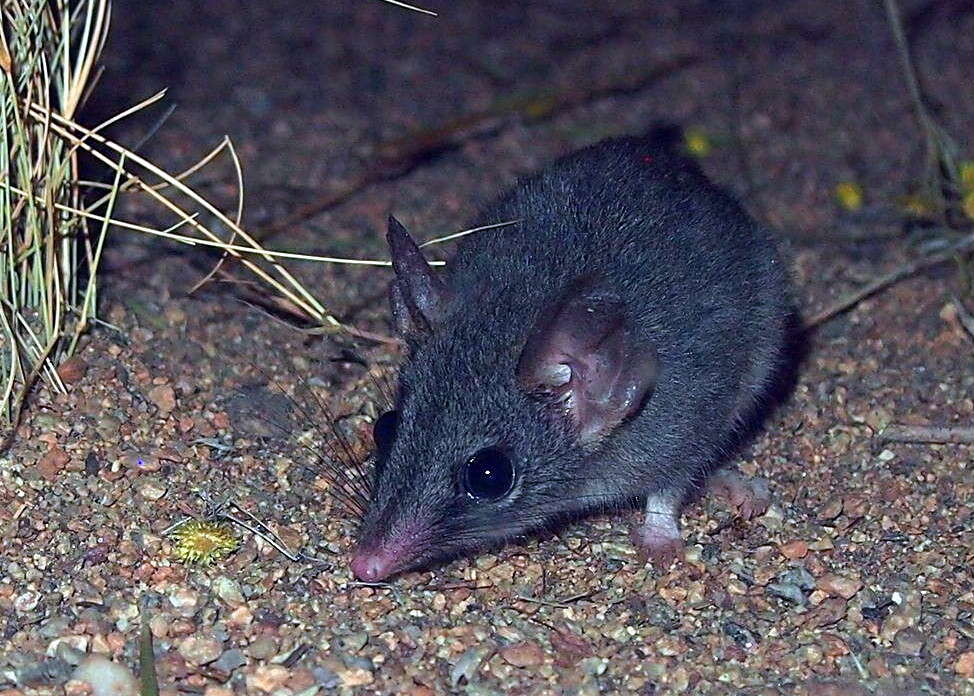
[[750, 497], [659, 543]]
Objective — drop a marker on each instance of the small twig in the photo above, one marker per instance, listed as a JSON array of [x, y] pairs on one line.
[[935, 434], [398, 157], [176, 525], [265, 533], [325, 330], [543, 602], [891, 278], [377, 585], [940, 149], [267, 536], [353, 331], [964, 316], [560, 603], [414, 8], [458, 586], [296, 655]]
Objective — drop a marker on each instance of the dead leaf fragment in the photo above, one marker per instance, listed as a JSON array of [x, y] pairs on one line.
[[570, 648], [825, 614], [72, 370], [52, 463]]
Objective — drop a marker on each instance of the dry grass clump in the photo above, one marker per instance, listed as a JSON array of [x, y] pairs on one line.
[[54, 224]]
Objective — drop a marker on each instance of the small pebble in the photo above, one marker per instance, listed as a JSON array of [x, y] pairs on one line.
[[200, 649], [264, 648], [965, 664], [356, 676], [267, 678], [831, 510], [907, 613], [141, 462], [787, 591], [164, 397], [107, 427], [569, 648], [594, 666], [106, 678], [150, 488], [353, 642], [228, 590], [72, 370], [52, 463], [214, 690], [468, 664], [230, 660], [798, 576], [526, 654], [839, 586], [825, 543], [185, 601], [325, 678], [794, 549], [908, 641]]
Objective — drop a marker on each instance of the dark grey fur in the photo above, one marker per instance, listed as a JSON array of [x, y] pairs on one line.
[[701, 282]]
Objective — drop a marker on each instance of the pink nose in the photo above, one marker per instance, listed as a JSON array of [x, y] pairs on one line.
[[372, 566]]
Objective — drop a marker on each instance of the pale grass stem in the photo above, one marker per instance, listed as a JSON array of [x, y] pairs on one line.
[[50, 247]]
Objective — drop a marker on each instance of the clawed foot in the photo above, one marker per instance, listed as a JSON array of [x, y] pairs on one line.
[[652, 548], [750, 497], [658, 538]]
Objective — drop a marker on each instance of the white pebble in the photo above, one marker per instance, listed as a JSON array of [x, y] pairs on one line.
[[106, 677]]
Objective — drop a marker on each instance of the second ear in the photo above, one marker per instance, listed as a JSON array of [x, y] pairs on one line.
[[418, 296]]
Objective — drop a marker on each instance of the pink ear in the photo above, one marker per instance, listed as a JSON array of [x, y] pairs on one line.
[[417, 296], [586, 362]]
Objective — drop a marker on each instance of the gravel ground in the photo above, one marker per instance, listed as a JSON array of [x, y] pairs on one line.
[[858, 580]]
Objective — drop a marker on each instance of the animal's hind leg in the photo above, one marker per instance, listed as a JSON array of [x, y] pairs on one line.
[[658, 538], [750, 497]]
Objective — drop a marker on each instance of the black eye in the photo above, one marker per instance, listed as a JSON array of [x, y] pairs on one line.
[[488, 475], [384, 432]]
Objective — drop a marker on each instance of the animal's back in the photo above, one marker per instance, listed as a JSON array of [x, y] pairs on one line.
[[700, 276]]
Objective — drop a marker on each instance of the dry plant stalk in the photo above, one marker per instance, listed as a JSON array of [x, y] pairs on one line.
[[54, 224], [47, 54]]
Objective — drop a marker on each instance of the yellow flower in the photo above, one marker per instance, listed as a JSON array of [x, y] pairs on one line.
[[967, 176], [203, 542], [849, 195], [697, 142], [968, 204]]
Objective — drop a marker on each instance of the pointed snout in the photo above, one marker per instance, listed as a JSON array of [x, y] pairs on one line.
[[379, 557], [371, 565]]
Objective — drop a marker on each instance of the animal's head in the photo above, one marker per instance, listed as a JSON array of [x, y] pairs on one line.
[[494, 423]]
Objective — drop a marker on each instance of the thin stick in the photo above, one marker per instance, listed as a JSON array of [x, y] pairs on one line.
[[891, 278], [464, 233], [398, 3], [934, 434], [964, 316], [196, 241], [324, 330]]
